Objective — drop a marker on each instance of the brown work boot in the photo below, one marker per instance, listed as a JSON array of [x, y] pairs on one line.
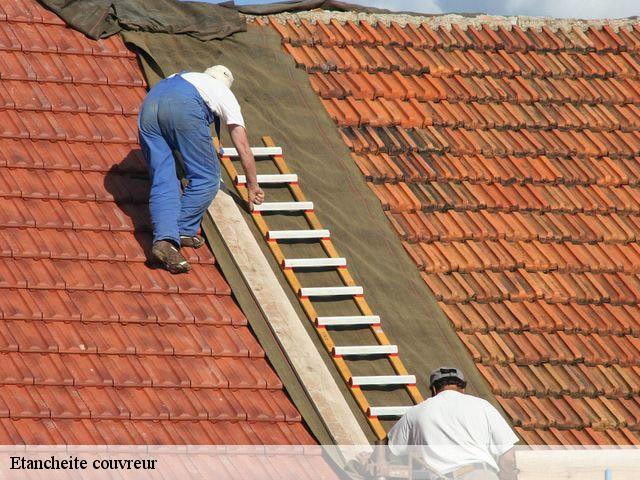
[[167, 253], [194, 242]]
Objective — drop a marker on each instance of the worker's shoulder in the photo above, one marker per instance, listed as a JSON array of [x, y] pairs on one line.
[[204, 79], [462, 400]]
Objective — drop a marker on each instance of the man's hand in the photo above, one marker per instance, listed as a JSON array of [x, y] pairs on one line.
[[241, 142], [256, 195]]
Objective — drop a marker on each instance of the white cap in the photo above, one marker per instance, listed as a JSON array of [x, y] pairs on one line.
[[222, 73]]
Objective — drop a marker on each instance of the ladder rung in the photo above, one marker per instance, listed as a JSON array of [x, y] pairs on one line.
[[276, 178], [257, 151], [383, 380], [387, 411], [283, 207], [313, 262], [329, 291], [297, 234], [366, 350], [349, 320]]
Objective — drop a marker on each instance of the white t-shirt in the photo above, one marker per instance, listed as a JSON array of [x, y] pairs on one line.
[[218, 97], [452, 430]]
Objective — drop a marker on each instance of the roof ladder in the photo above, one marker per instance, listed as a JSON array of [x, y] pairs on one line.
[[312, 297]]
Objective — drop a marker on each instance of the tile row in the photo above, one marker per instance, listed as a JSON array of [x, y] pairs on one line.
[[76, 215], [543, 317], [29, 12], [88, 157], [411, 61], [482, 37], [562, 380], [523, 142], [458, 195], [94, 338], [74, 185], [85, 245], [70, 127], [483, 225], [119, 307], [349, 112], [428, 88], [560, 348], [77, 69], [524, 286], [47, 431], [53, 274], [56, 38], [108, 403], [574, 413], [417, 166], [67, 97], [586, 436], [470, 256], [120, 371]]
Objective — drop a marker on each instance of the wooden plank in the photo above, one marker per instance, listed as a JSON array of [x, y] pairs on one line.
[[285, 323]]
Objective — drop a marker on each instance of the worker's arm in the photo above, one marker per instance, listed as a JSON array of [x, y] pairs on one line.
[[240, 140], [507, 463]]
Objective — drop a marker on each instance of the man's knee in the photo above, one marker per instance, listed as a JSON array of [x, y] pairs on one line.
[[207, 186]]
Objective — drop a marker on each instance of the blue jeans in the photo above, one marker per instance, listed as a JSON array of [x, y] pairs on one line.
[[173, 116]]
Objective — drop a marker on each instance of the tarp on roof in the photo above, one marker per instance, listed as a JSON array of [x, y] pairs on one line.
[[301, 5], [277, 100], [102, 18]]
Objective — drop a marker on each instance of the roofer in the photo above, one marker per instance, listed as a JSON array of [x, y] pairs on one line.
[[458, 436], [177, 115]]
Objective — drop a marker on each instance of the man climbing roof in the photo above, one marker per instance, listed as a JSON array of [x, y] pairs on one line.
[[458, 436], [176, 115]]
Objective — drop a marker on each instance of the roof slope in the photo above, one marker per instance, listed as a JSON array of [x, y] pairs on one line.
[[96, 347], [507, 161]]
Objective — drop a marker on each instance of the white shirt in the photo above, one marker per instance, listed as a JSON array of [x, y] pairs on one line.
[[218, 97], [452, 430]]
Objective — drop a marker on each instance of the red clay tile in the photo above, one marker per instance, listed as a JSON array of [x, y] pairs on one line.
[[535, 173], [65, 279]]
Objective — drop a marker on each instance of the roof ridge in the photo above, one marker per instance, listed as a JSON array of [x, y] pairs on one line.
[[446, 20]]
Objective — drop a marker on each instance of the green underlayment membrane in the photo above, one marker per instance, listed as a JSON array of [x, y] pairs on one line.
[[102, 18], [277, 100]]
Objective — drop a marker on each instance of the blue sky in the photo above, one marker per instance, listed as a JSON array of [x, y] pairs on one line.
[[553, 8]]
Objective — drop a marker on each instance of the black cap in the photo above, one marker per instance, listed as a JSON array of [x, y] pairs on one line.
[[445, 372]]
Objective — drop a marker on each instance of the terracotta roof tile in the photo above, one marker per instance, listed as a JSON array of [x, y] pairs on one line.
[[507, 162], [99, 345]]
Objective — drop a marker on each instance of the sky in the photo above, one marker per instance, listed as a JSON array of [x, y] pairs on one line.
[[552, 8]]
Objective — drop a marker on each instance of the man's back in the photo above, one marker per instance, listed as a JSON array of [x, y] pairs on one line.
[[452, 430]]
